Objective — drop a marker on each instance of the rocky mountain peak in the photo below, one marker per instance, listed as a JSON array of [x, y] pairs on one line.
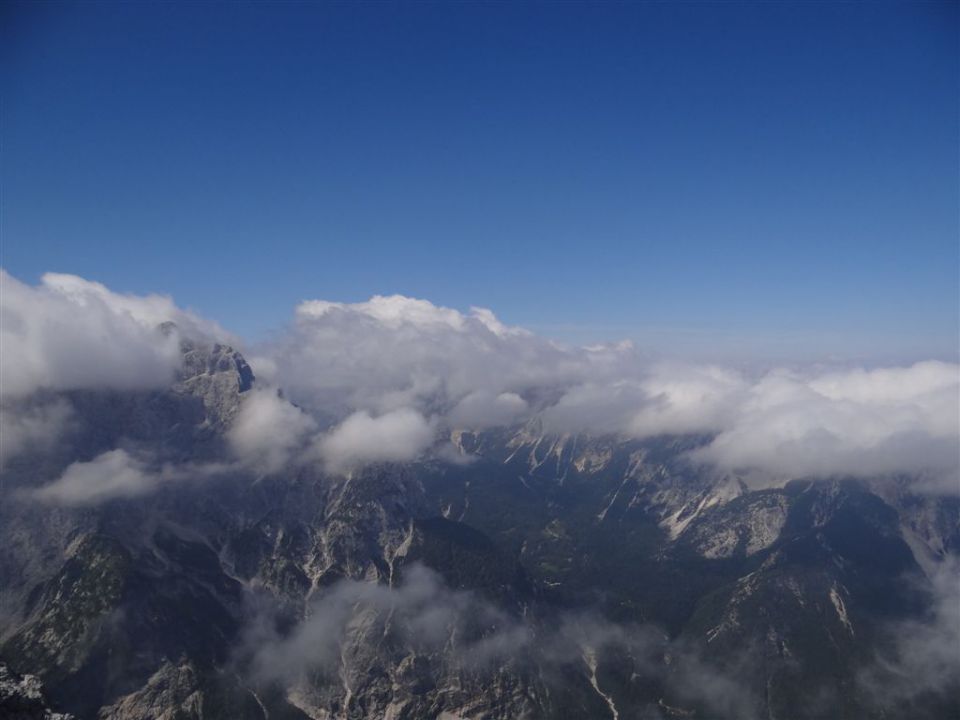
[[217, 359], [218, 375]]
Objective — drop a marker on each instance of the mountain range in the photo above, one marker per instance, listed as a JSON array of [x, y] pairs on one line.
[[509, 572]]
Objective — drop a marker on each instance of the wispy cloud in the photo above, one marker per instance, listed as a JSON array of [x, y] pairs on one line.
[[423, 617], [918, 667], [114, 474], [118, 474]]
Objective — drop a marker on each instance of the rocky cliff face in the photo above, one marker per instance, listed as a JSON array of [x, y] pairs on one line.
[[536, 576]]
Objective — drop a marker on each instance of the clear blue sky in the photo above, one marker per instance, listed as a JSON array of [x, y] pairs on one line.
[[769, 177]]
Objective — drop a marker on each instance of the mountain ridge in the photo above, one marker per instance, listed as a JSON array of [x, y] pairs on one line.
[[560, 561]]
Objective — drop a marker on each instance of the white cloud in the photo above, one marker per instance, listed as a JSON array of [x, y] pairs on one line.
[[481, 409], [856, 422], [471, 370], [922, 661], [376, 371], [685, 399], [595, 407], [30, 425], [148, 310], [392, 311], [70, 333], [118, 474], [268, 431], [114, 474], [660, 399], [396, 436], [394, 352]]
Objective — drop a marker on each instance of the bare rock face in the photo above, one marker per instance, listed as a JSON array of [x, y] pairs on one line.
[[21, 698], [742, 527], [170, 694], [217, 375]]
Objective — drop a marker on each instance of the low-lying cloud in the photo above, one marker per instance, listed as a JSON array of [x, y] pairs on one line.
[[70, 333], [26, 425], [113, 474], [120, 474], [386, 379], [423, 616], [471, 371], [396, 436], [845, 423], [921, 666], [269, 432], [422, 613], [918, 669]]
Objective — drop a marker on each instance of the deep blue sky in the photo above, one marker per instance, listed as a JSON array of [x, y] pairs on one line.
[[766, 178]]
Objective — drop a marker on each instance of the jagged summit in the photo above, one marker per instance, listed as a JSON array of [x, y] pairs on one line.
[[203, 357], [215, 373], [204, 364]]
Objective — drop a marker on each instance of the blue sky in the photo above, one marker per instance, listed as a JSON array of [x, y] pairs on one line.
[[767, 179]]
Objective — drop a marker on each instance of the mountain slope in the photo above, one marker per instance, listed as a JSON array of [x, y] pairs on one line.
[[535, 575]]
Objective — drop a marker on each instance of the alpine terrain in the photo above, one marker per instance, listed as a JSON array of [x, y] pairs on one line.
[[509, 572]]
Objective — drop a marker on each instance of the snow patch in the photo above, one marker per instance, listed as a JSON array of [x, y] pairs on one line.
[[590, 658], [841, 609]]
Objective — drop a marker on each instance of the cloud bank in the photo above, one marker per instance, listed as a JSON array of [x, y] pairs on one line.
[[383, 380], [453, 370], [855, 422], [69, 333]]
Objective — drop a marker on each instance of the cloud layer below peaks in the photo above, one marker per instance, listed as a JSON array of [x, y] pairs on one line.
[[381, 380]]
